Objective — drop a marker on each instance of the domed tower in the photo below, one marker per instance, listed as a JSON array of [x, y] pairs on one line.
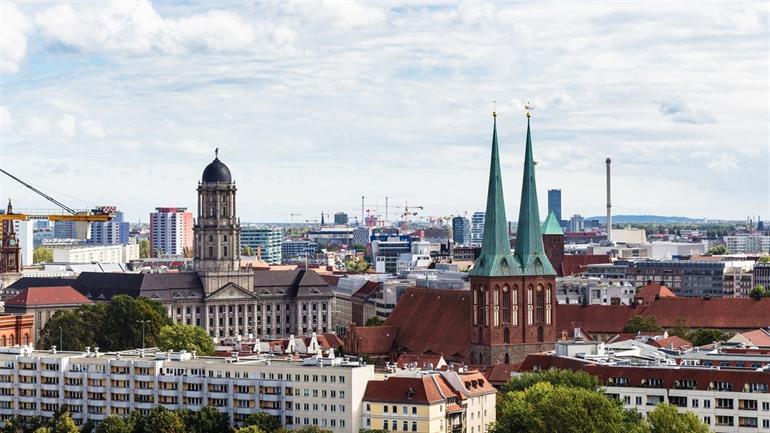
[[217, 230]]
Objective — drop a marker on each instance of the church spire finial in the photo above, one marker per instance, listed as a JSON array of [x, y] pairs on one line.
[[494, 107], [216, 153]]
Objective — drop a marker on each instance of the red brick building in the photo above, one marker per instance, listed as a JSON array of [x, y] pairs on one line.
[[16, 329]]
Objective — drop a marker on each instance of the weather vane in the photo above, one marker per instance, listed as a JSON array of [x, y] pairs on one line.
[[528, 107], [216, 153]]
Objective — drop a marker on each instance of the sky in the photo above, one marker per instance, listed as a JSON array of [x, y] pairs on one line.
[[313, 105]]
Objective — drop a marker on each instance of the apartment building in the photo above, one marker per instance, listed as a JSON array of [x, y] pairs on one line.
[[747, 244], [326, 392], [430, 402], [729, 391]]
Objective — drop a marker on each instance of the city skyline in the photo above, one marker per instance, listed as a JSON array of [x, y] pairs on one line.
[[126, 112]]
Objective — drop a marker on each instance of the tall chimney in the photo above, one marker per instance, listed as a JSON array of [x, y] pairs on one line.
[[609, 202]]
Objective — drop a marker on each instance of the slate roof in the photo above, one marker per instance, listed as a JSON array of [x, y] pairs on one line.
[[27, 282], [291, 283], [103, 286], [433, 321], [47, 296]]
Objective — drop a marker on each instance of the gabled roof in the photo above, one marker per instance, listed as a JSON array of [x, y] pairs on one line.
[[48, 296], [495, 258], [653, 291], [424, 389], [551, 226], [673, 342], [433, 321]]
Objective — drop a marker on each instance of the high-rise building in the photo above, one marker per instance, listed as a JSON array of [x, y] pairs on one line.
[[576, 224], [554, 203], [340, 218], [477, 228], [513, 295], [64, 230], [113, 232], [461, 230], [264, 241], [170, 231], [298, 249], [25, 234], [747, 244]]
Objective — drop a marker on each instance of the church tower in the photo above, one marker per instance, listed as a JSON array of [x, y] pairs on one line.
[[513, 295], [217, 231], [9, 249]]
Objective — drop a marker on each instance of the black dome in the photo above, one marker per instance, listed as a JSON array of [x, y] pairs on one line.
[[216, 172]]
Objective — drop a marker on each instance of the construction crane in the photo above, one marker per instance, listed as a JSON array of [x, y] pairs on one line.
[[292, 215], [82, 218], [409, 211]]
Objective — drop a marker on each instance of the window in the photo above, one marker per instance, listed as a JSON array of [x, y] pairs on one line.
[[515, 313], [405, 426], [414, 425], [414, 410], [506, 311], [496, 308], [385, 410], [540, 304]]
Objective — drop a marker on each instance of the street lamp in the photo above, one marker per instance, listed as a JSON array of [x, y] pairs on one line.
[[142, 322]]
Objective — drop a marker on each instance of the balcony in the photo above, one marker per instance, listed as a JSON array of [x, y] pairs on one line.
[[144, 391], [197, 394], [168, 392], [51, 400], [121, 390], [7, 398], [144, 405], [27, 399], [97, 403], [245, 410], [28, 373], [246, 382], [117, 403], [32, 386], [223, 395], [28, 412], [120, 377], [50, 386], [73, 388], [243, 396], [99, 389], [168, 379], [144, 378], [49, 373], [6, 385]]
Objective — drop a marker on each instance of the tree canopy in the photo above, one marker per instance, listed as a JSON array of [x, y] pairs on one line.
[[666, 418], [263, 421], [759, 291], [42, 255], [144, 248], [374, 321], [642, 324], [112, 326], [179, 336], [568, 378], [718, 250], [702, 337]]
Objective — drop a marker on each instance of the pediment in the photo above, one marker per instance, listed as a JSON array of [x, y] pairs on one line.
[[231, 291]]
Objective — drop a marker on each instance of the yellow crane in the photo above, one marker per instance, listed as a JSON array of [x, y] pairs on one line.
[[82, 218]]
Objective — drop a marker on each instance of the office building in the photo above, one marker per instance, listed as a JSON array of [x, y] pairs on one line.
[[265, 242], [461, 231], [683, 277], [64, 230], [340, 218], [113, 232], [430, 402], [554, 203], [332, 236], [171, 231], [762, 274], [298, 250], [477, 228], [361, 236], [25, 236], [320, 391], [747, 244], [386, 252]]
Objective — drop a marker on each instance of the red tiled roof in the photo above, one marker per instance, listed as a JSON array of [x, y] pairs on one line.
[[674, 342], [499, 374], [576, 263], [421, 360], [371, 340], [433, 321], [454, 407], [367, 289], [329, 341], [332, 280], [652, 291], [39, 296], [427, 389], [759, 337], [722, 313]]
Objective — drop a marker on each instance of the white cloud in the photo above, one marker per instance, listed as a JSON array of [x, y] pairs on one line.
[[135, 26], [679, 112], [6, 120], [14, 27], [66, 126]]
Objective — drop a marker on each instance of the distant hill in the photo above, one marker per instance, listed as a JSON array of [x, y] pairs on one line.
[[647, 219]]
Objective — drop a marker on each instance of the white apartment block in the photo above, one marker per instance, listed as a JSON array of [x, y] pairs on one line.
[[477, 227], [747, 244], [326, 392], [25, 236], [120, 254]]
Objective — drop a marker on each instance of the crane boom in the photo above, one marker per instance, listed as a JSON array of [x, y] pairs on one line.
[[46, 196]]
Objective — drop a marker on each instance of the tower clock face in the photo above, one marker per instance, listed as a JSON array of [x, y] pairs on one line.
[[12, 242]]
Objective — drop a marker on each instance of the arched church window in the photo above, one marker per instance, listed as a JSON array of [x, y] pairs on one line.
[[540, 304], [475, 307], [507, 358], [496, 307], [506, 336], [506, 312]]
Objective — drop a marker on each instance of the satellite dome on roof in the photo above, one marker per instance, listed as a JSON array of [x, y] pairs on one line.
[[216, 171]]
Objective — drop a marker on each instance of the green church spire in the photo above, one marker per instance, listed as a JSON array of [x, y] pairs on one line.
[[495, 259], [530, 252]]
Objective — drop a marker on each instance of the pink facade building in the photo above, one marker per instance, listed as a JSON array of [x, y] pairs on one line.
[[171, 231]]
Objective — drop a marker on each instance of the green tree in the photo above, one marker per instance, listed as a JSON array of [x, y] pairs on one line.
[[680, 329], [311, 429], [642, 324], [144, 248], [179, 336], [206, 420], [123, 330], [42, 255], [249, 429], [113, 424], [264, 421], [545, 408], [568, 378], [702, 337], [764, 259], [43, 430], [62, 422], [247, 250], [665, 418], [374, 321], [718, 250], [22, 425], [88, 426], [356, 266], [68, 330], [163, 420], [759, 291]]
